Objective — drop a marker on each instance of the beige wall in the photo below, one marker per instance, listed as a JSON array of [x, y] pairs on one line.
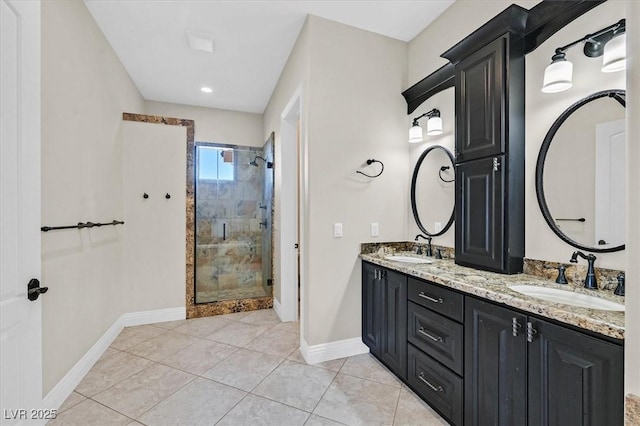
[[353, 111], [85, 89], [356, 112], [154, 161], [632, 315], [215, 125]]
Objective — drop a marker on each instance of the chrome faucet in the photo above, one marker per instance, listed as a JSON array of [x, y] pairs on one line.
[[590, 280], [429, 251]]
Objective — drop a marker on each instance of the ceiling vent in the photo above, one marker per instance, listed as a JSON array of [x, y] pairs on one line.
[[200, 41]]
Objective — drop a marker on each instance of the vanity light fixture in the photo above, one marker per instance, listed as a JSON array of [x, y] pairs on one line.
[[609, 42], [434, 126]]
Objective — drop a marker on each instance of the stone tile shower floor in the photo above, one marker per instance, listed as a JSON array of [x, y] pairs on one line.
[[236, 369]]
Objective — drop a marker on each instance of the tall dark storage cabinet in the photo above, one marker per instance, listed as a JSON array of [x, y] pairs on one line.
[[489, 71]]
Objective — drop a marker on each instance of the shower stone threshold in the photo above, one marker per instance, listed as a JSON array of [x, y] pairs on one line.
[[228, 306]]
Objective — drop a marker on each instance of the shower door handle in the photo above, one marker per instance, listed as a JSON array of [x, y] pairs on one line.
[[224, 232]]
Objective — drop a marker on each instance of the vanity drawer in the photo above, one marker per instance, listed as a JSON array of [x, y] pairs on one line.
[[437, 336], [441, 388], [439, 299]]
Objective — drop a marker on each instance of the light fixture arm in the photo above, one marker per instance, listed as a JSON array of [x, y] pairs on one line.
[[433, 113], [594, 43]]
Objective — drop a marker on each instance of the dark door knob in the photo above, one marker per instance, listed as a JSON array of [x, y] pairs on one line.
[[34, 290]]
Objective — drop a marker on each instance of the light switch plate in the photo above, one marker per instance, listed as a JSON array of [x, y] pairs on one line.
[[438, 227], [337, 230], [375, 229]]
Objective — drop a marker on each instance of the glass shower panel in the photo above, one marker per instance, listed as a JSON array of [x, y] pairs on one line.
[[229, 237]]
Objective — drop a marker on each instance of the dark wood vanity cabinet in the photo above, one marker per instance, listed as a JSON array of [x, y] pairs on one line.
[[384, 316], [523, 370], [489, 103], [479, 363], [574, 379], [495, 365], [371, 303], [435, 347]]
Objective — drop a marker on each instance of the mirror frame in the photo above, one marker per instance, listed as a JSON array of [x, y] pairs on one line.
[[618, 95], [414, 179]]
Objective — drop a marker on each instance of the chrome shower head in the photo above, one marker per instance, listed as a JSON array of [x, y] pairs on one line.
[[253, 163]]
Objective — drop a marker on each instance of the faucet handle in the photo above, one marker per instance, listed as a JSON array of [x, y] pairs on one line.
[[619, 291], [561, 278]]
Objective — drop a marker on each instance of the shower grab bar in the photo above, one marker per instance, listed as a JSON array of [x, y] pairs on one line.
[[224, 232], [81, 225]]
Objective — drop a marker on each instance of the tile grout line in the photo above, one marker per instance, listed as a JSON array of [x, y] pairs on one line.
[[167, 397]]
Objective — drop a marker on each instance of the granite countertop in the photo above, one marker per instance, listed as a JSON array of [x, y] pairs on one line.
[[495, 287]]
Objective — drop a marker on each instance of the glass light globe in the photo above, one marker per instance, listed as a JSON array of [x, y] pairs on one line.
[[557, 76], [415, 134]]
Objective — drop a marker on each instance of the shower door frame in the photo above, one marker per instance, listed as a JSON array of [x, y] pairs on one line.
[[257, 151]]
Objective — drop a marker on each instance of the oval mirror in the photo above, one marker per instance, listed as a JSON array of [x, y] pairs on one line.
[[432, 191], [580, 173]]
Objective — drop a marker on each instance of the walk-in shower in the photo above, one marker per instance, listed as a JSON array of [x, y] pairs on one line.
[[233, 207]]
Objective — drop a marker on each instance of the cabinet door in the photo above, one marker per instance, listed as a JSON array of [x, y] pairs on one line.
[[574, 379], [371, 307], [479, 225], [480, 88], [495, 365], [394, 327]]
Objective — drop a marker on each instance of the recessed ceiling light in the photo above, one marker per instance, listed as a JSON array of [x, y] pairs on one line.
[[206, 89]]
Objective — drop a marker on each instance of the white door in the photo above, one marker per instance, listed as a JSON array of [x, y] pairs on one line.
[[20, 327], [610, 184]]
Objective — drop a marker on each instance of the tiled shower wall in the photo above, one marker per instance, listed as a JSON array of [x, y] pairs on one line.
[[230, 266]]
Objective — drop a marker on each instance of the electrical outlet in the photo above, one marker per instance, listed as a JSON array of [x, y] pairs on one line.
[[337, 230], [375, 229]]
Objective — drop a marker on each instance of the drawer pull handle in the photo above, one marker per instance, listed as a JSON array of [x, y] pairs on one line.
[[434, 338], [531, 332], [425, 381], [431, 299], [515, 326]]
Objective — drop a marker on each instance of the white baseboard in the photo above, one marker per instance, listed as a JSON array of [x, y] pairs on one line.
[[332, 350], [64, 388], [70, 381], [277, 308], [153, 317]]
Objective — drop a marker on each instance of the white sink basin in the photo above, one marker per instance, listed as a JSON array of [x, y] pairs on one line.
[[408, 259], [568, 297]]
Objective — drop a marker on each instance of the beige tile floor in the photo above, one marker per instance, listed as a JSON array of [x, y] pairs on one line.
[[237, 369]]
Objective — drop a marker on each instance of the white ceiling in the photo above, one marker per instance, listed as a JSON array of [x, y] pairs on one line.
[[252, 41]]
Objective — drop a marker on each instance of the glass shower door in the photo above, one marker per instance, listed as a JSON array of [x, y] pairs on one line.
[[229, 253]]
